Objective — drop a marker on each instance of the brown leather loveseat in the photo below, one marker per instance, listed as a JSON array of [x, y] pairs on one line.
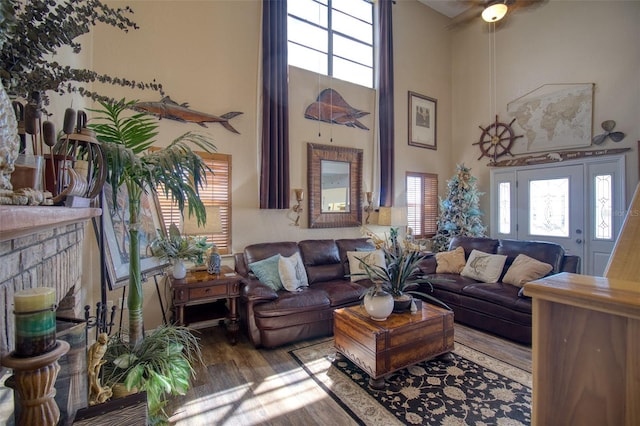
[[273, 318], [496, 307]]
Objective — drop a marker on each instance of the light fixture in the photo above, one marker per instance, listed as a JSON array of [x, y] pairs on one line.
[[298, 207], [494, 12]]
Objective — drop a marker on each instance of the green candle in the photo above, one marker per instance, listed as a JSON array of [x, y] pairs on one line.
[[35, 319]]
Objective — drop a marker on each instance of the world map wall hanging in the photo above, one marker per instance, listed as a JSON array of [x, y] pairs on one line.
[[554, 116]]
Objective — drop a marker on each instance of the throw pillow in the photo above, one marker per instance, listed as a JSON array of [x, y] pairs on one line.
[[292, 272], [267, 271], [525, 269], [450, 262], [372, 258], [483, 266]]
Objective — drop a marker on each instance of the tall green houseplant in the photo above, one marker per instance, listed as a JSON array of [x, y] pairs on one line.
[[126, 140]]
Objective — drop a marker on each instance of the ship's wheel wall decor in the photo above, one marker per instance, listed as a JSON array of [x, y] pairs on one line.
[[496, 140]]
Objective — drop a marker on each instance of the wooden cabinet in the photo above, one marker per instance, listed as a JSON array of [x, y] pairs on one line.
[[203, 300]]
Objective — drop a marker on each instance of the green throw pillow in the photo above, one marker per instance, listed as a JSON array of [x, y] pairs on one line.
[[267, 271]]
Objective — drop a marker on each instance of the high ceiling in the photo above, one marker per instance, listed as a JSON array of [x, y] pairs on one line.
[[448, 8]]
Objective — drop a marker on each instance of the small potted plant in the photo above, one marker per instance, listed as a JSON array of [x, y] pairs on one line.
[[178, 249], [400, 277]]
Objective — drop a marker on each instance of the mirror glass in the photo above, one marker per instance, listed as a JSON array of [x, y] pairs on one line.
[[335, 182], [335, 186]]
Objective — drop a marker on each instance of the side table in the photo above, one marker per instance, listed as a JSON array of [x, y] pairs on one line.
[[194, 298]]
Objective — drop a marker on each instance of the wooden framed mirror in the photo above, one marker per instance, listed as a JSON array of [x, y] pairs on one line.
[[335, 182]]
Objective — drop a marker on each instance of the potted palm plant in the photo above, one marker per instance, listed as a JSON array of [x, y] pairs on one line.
[[177, 249], [180, 173]]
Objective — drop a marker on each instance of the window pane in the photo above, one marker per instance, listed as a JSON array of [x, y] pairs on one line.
[[349, 71], [308, 10], [307, 35], [352, 27], [361, 9], [549, 207], [603, 208], [504, 208], [414, 204], [422, 204], [308, 59], [349, 49]]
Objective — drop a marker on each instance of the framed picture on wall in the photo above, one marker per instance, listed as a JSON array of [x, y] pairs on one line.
[[422, 121], [116, 235]]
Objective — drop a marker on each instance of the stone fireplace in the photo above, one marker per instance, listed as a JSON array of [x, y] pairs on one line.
[[41, 247]]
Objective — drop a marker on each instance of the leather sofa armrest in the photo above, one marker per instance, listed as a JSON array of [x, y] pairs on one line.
[[241, 264], [571, 263], [428, 264], [254, 291]]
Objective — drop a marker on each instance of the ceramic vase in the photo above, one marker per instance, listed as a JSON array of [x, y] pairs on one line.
[[179, 269], [378, 304]]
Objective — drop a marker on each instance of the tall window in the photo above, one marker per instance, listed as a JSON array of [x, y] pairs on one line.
[[216, 192], [332, 37], [422, 203]]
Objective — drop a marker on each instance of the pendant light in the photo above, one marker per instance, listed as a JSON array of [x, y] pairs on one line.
[[494, 12]]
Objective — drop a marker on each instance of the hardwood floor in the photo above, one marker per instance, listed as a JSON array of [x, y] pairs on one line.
[[239, 385]]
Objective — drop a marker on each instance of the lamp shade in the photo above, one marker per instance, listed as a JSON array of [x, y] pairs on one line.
[[213, 225], [392, 216], [494, 12]]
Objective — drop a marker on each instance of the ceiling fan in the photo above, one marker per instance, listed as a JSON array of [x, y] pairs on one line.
[[491, 10]]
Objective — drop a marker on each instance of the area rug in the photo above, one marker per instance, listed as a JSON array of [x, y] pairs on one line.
[[471, 389]]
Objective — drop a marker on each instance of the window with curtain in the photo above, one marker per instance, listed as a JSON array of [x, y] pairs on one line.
[[422, 204], [332, 37], [215, 193]]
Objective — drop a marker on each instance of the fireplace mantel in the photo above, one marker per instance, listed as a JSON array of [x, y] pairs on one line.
[[18, 221]]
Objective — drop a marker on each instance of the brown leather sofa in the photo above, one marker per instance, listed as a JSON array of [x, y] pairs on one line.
[[273, 318], [498, 308]]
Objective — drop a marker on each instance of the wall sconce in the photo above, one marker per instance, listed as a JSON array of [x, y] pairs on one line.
[[369, 207], [298, 207]]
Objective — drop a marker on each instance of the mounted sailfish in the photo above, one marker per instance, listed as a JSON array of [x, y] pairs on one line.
[[167, 108], [332, 108]]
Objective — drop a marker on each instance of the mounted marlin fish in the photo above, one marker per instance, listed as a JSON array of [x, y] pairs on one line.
[[168, 108], [331, 107]]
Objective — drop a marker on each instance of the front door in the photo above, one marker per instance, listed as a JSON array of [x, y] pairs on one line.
[[551, 207]]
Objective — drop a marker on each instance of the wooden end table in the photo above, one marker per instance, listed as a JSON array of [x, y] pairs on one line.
[[382, 347], [194, 298]]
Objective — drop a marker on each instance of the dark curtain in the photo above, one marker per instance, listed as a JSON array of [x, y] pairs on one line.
[[385, 87], [274, 171]]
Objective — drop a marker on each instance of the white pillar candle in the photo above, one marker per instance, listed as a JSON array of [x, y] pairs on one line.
[[34, 299]]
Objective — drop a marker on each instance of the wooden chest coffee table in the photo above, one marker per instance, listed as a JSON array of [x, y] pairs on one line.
[[382, 347]]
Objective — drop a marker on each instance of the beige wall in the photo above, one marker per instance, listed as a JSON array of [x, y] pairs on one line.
[[207, 53], [560, 42]]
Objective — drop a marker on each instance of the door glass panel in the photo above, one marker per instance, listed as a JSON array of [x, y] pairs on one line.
[[549, 207], [504, 203], [603, 207]]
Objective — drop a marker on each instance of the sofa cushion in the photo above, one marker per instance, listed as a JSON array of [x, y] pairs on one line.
[[453, 283], [266, 270], [292, 272], [483, 266], [487, 245], [450, 262], [525, 269], [352, 244], [371, 258], [341, 292], [499, 295], [546, 252], [321, 260], [288, 303]]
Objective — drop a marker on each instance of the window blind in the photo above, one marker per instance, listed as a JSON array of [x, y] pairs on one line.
[[422, 203]]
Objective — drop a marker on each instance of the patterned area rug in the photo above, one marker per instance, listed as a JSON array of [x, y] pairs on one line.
[[472, 389]]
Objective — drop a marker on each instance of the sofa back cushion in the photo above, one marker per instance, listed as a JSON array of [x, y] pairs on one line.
[[256, 252], [486, 245], [352, 244], [321, 260], [546, 252]]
